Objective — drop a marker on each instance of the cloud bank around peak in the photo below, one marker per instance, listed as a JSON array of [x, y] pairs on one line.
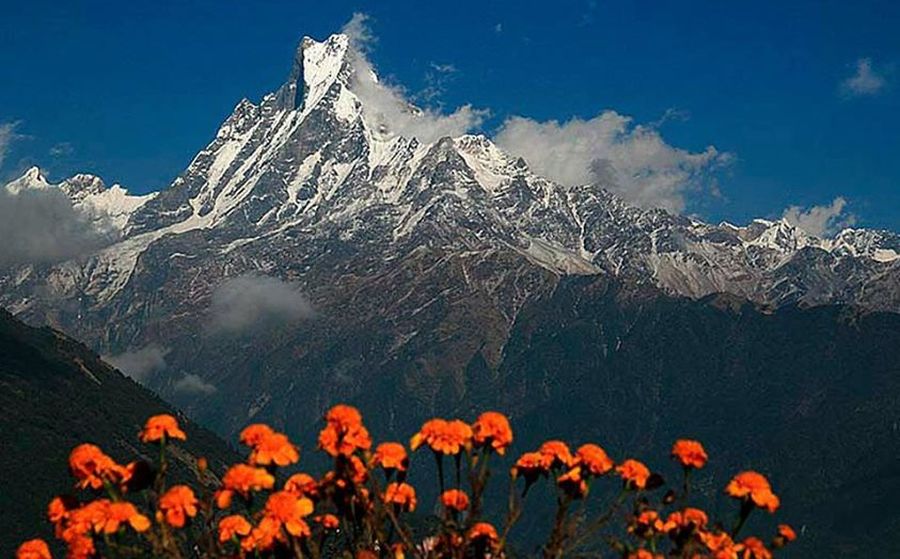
[[388, 106], [252, 301], [821, 221], [41, 226], [631, 160]]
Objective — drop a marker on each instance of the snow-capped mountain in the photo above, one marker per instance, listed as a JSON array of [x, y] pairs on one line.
[[316, 185], [312, 160]]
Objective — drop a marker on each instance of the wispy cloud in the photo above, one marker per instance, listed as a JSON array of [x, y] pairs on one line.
[[821, 221], [437, 78], [865, 80], [140, 363], [252, 301], [389, 106], [634, 161], [7, 137], [62, 149], [191, 384], [359, 30]]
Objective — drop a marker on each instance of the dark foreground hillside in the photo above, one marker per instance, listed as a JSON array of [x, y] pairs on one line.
[[54, 394]]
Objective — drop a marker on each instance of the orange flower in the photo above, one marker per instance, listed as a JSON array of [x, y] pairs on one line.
[[33, 549], [58, 509], [289, 510], [530, 465], [344, 416], [344, 432], [263, 536], [177, 503], [643, 554], [556, 454], [573, 483], [648, 518], [80, 547], [104, 516], [492, 428], [91, 467], [254, 433], [403, 495], [328, 521], [754, 487], [594, 459], [160, 427], [689, 453], [442, 436], [787, 533], [357, 470], [274, 448], [302, 485], [126, 512], [233, 526], [687, 518], [720, 544], [484, 532], [88, 518], [391, 456], [242, 479], [753, 548], [454, 499], [634, 473]]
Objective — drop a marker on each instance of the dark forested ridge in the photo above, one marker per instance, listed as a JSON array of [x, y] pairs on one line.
[[54, 394], [808, 396], [811, 397]]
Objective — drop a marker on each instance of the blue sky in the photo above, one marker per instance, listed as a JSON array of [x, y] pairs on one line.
[[131, 91]]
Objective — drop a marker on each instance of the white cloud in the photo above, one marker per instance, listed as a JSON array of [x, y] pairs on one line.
[[7, 136], [40, 225], [251, 301], [193, 384], [387, 105], [866, 81], [821, 221], [359, 30], [140, 363], [634, 161], [436, 79], [62, 149]]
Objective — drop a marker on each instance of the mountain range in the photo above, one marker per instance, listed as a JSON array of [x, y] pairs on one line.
[[324, 248]]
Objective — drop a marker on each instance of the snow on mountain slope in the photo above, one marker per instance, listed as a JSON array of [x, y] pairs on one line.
[[316, 160]]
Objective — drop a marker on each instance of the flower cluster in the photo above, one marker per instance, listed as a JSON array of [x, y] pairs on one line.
[[362, 505]]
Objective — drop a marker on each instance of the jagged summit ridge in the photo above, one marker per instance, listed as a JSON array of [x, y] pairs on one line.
[[313, 160]]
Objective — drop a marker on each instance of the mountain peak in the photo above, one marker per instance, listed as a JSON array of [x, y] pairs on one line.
[[316, 66], [82, 184], [32, 178]]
